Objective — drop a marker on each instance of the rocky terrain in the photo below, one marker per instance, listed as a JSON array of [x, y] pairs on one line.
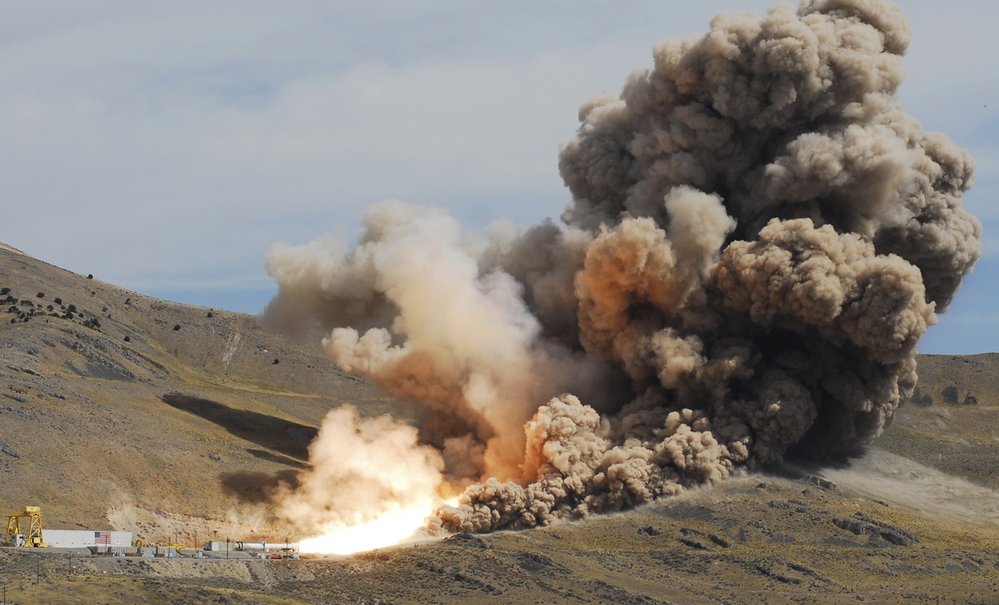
[[176, 422]]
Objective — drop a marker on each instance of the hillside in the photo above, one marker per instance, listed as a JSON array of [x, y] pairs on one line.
[[119, 410], [952, 423]]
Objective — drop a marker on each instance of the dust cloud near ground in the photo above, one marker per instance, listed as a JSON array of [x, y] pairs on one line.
[[886, 476]]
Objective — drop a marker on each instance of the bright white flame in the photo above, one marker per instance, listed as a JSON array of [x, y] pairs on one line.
[[387, 529], [371, 485]]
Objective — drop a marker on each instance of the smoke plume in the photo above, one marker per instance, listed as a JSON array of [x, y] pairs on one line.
[[361, 469], [758, 236]]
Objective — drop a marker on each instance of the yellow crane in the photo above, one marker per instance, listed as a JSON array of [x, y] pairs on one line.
[[33, 537]]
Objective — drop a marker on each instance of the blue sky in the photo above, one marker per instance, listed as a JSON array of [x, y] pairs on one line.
[[164, 147]]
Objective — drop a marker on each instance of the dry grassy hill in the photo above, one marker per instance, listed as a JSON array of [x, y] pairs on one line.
[[952, 423], [119, 409], [125, 411]]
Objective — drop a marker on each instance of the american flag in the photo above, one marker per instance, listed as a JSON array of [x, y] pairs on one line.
[[102, 537]]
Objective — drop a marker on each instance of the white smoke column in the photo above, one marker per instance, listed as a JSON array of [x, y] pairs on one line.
[[757, 239], [460, 341], [370, 484]]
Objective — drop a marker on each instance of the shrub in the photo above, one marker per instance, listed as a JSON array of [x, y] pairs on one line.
[[40, 295], [176, 327], [128, 339], [275, 362], [71, 308], [949, 394], [4, 291], [90, 276], [57, 300]]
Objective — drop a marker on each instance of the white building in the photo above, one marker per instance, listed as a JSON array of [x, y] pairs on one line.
[[76, 538]]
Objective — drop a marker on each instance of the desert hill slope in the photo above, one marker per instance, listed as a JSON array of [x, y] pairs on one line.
[[952, 422], [119, 410]]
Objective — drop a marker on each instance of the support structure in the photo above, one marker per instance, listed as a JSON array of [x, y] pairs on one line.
[[32, 537]]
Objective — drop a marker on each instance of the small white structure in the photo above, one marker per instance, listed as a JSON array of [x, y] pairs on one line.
[[76, 538]]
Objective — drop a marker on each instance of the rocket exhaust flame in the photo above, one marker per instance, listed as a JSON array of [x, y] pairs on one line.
[[389, 529], [758, 237]]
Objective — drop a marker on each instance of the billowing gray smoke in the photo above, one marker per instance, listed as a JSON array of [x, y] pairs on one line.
[[758, 236]]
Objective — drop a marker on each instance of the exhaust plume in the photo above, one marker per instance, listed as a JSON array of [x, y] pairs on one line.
[[758, 236]]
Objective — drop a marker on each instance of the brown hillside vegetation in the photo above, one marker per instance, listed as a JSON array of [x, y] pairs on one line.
[[122, 411]]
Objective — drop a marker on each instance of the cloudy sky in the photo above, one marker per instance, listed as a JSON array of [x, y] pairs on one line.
[[164, 146]]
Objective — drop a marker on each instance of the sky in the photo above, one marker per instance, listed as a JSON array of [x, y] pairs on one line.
[[165, 146]]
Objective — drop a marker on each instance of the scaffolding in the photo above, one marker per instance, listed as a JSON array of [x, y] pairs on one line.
[[33, 537]]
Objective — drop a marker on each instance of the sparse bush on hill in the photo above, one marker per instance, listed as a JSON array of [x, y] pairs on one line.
[[949, 394], [71, 308], [921, 398], [57, 300], [4, 291], [40, 295], [176, 327], [128, 339]]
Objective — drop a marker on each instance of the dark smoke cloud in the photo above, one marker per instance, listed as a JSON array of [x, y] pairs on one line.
[[758, 237]]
